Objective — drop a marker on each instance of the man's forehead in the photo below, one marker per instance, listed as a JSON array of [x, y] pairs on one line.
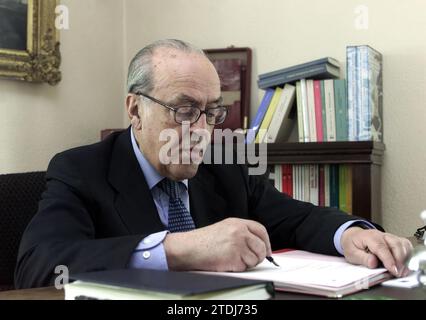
[[174, 69]]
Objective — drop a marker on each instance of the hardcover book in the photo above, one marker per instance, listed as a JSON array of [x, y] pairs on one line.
[[144, 284]]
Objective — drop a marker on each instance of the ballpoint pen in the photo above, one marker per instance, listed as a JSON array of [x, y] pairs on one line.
[[271, 260]]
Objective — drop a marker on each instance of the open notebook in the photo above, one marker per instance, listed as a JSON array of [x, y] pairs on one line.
[[316, 274]]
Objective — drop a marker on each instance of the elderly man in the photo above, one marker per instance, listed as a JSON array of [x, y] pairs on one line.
[[115, 204]]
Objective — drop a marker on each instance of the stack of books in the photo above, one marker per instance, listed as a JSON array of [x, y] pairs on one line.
[[325, 68], [328, 109]]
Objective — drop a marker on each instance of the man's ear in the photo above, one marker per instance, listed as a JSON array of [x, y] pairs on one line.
[[132, 108]]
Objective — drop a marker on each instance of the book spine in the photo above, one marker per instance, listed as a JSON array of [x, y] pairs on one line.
[[364, 113], [376, 95], [321, 186], [306, 123], [281, 125], [330, 110], [284, 177], [341, 110], [323, 111], [349, 189], [318, 110], [313, 184], [351, 86], [358, 106], [251, 135], [306, 183], [311, 110], [342, 188], [327, 185], [295, 182], [299, 112], [290, 180], [268, 116], [278, 178], [334, 186]]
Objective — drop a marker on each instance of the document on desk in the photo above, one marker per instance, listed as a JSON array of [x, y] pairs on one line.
[[316, 274]]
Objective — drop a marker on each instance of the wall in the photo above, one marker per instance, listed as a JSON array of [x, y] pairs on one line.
[[37, 120], [286, 32]]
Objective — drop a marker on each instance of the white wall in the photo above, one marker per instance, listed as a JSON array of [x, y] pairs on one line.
[[37, 120], [285, 32]]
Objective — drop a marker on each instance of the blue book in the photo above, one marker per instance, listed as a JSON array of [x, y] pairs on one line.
[[320, 71], [326, 60], [255, 125]]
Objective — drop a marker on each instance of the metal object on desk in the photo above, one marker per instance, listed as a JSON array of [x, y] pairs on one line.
[[417, 261]]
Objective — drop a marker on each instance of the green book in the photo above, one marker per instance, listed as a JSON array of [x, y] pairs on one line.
[[341, 110], [342, 188]]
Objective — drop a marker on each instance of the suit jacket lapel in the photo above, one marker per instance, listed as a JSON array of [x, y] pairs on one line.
[[133, 201]]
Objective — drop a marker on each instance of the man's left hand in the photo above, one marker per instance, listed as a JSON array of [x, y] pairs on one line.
[[369, 247]]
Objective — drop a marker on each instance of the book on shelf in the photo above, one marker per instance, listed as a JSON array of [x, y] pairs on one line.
[[328, 109], [364, 67], [314, 274], [255, 125], [269, 114], [318, 69], [144, 284], [326, 185], [326, 60], [282, 122]]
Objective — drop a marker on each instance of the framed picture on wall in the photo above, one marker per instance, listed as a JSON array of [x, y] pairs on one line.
[[234, 68], [29, 47]]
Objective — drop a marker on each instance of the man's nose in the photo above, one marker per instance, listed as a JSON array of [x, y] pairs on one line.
[[201, 122]]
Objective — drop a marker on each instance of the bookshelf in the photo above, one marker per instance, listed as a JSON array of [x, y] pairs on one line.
[[365, 157]]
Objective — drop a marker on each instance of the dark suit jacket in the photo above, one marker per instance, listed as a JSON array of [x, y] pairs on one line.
[[97, 208]]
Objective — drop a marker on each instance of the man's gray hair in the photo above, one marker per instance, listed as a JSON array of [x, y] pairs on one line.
[[140, 76]]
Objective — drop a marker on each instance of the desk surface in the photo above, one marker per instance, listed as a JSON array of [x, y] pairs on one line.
[[376, 293]]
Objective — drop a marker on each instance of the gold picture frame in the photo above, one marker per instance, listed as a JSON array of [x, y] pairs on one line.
[[41, 60]]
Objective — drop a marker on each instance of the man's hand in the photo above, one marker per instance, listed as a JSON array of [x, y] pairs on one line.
[[230, 245], [369, 247]]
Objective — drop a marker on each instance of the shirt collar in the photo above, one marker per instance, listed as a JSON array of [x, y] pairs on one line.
[[152, 176]]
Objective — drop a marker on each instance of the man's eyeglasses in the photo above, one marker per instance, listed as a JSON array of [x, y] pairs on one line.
[[191, 114]]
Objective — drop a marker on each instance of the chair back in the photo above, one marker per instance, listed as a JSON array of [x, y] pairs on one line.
[[19, 197]]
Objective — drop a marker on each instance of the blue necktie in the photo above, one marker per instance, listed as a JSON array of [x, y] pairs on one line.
[[180, 219]]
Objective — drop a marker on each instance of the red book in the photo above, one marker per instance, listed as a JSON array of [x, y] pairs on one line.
[[284, 179], [290, 180], [318, 110]]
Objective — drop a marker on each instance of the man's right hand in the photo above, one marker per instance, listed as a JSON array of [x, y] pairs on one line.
[[230, 245]]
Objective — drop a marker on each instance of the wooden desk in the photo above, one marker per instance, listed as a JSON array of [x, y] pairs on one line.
[[376, 293], [50, 293]]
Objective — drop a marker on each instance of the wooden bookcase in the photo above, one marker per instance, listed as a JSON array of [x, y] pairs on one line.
[[364, 156]]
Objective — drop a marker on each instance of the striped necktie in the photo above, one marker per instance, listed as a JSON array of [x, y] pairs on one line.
[[180, 219]]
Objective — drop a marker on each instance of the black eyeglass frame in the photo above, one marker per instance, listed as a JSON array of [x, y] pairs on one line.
[[175, 109]]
